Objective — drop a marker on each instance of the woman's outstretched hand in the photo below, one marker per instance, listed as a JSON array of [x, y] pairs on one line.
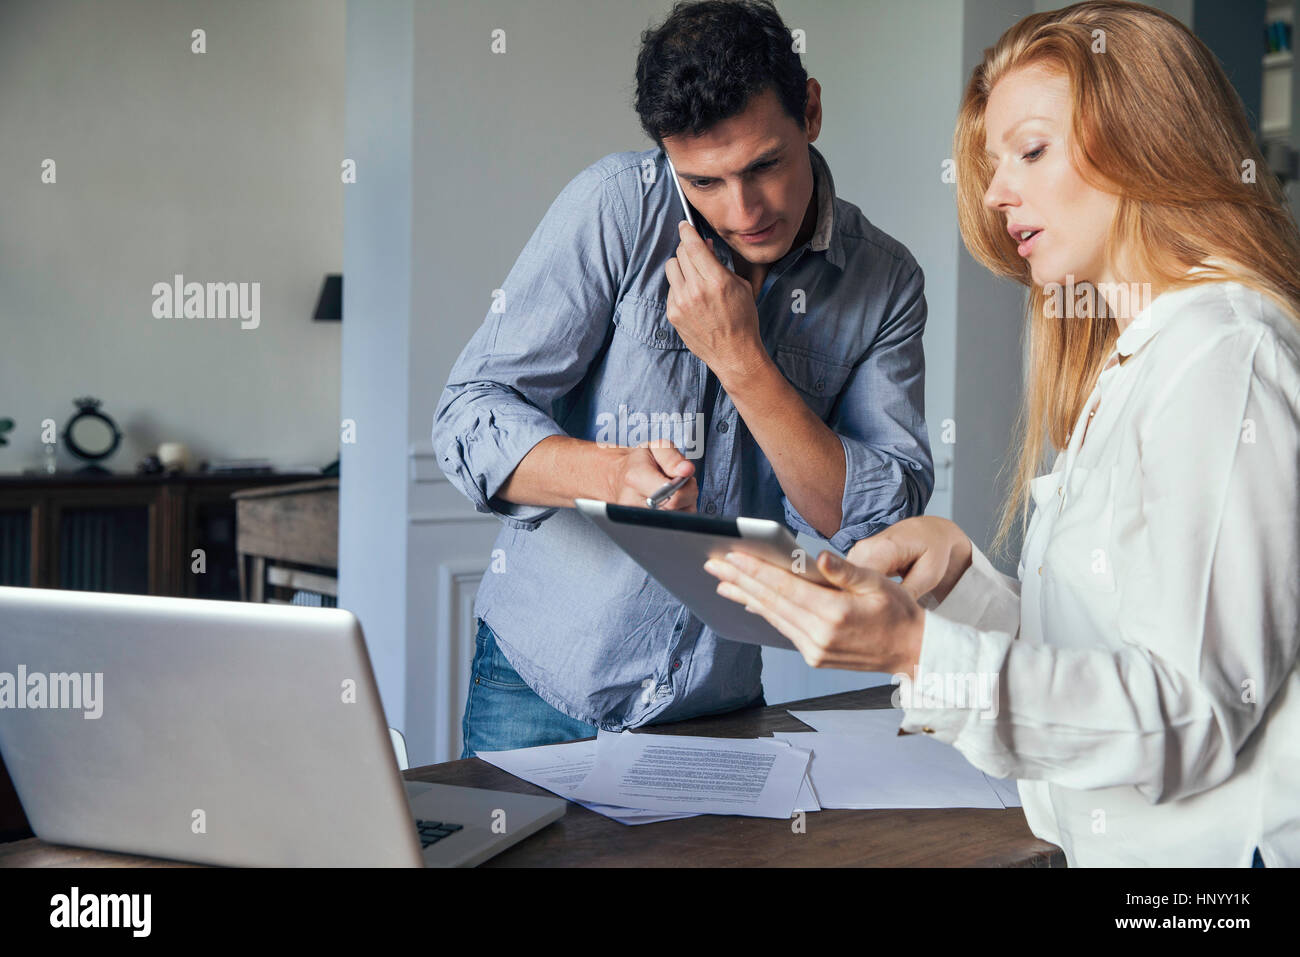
[[927, 552], [864, 622]]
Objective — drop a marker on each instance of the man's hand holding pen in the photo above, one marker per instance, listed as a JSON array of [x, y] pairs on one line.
[[645, 470]]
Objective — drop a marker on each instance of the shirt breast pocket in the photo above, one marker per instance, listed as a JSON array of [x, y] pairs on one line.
[[818, 378], [646, 322], [1080, 545], [649, 386]]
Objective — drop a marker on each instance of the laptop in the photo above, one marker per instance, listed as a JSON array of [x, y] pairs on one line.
[[222, 733]]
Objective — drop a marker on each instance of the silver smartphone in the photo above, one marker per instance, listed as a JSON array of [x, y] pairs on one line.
[[686, 207]]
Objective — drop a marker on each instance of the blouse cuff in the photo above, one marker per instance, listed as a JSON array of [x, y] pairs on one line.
[[966, 601], [940, 699], [983, 597]]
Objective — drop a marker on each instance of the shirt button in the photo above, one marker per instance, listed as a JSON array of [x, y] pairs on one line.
[[820, 386], [661, 333], [677, 663], [928, 730], [1040, 569], [722, 426], [710, 508]]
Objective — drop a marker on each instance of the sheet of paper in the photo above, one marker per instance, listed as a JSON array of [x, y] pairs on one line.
[[886, 771], [756, 777], [887, 720], [1005, 789], [560, 768], [807, 799], [859, 721]]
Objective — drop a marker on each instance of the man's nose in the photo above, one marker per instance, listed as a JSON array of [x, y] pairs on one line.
[[747, 208]]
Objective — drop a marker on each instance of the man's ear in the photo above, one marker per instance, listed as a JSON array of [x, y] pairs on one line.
[[812, 115]]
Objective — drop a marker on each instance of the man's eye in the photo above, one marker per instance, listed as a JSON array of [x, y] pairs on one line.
[[701, 183]]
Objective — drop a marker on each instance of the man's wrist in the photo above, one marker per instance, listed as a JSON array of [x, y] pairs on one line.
[[744, 369], [606, 465]]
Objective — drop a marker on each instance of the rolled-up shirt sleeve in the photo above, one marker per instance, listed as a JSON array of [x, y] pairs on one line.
[[1209, 610], [879, 419], [547, 323]]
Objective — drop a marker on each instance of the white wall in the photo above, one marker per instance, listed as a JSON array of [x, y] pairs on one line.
[[221, 166]]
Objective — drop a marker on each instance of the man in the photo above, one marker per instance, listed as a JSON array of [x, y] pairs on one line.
[[773, 356]]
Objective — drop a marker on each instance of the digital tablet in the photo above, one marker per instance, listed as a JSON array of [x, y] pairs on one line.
[[673, 547]]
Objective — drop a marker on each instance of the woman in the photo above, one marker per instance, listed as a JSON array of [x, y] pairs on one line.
[[1148, 694]]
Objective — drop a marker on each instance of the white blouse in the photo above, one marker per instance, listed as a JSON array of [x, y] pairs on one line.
[[1146, 658]]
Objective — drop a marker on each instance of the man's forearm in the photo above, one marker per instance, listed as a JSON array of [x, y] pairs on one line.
[[807, 457], [559, 469]]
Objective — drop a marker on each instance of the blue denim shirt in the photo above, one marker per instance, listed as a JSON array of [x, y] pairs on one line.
[[577, 342]]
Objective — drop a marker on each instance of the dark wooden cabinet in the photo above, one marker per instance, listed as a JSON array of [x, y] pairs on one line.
[[136, 534]]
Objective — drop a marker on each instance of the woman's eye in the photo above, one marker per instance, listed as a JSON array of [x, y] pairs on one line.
[[1034, 155]]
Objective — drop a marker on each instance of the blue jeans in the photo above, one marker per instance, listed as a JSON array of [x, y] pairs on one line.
[[502, 713]]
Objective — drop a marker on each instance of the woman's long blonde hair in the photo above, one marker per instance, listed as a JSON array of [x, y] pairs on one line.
[[1157, 123]]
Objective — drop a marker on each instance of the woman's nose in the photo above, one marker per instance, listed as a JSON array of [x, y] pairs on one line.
[[999, 193]]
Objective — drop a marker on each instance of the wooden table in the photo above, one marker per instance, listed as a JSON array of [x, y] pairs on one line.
[[951, 837]]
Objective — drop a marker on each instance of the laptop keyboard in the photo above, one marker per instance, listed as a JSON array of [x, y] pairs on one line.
[[433, 831]]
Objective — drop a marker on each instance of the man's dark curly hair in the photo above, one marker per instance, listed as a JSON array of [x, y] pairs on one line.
[[705, 62]]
